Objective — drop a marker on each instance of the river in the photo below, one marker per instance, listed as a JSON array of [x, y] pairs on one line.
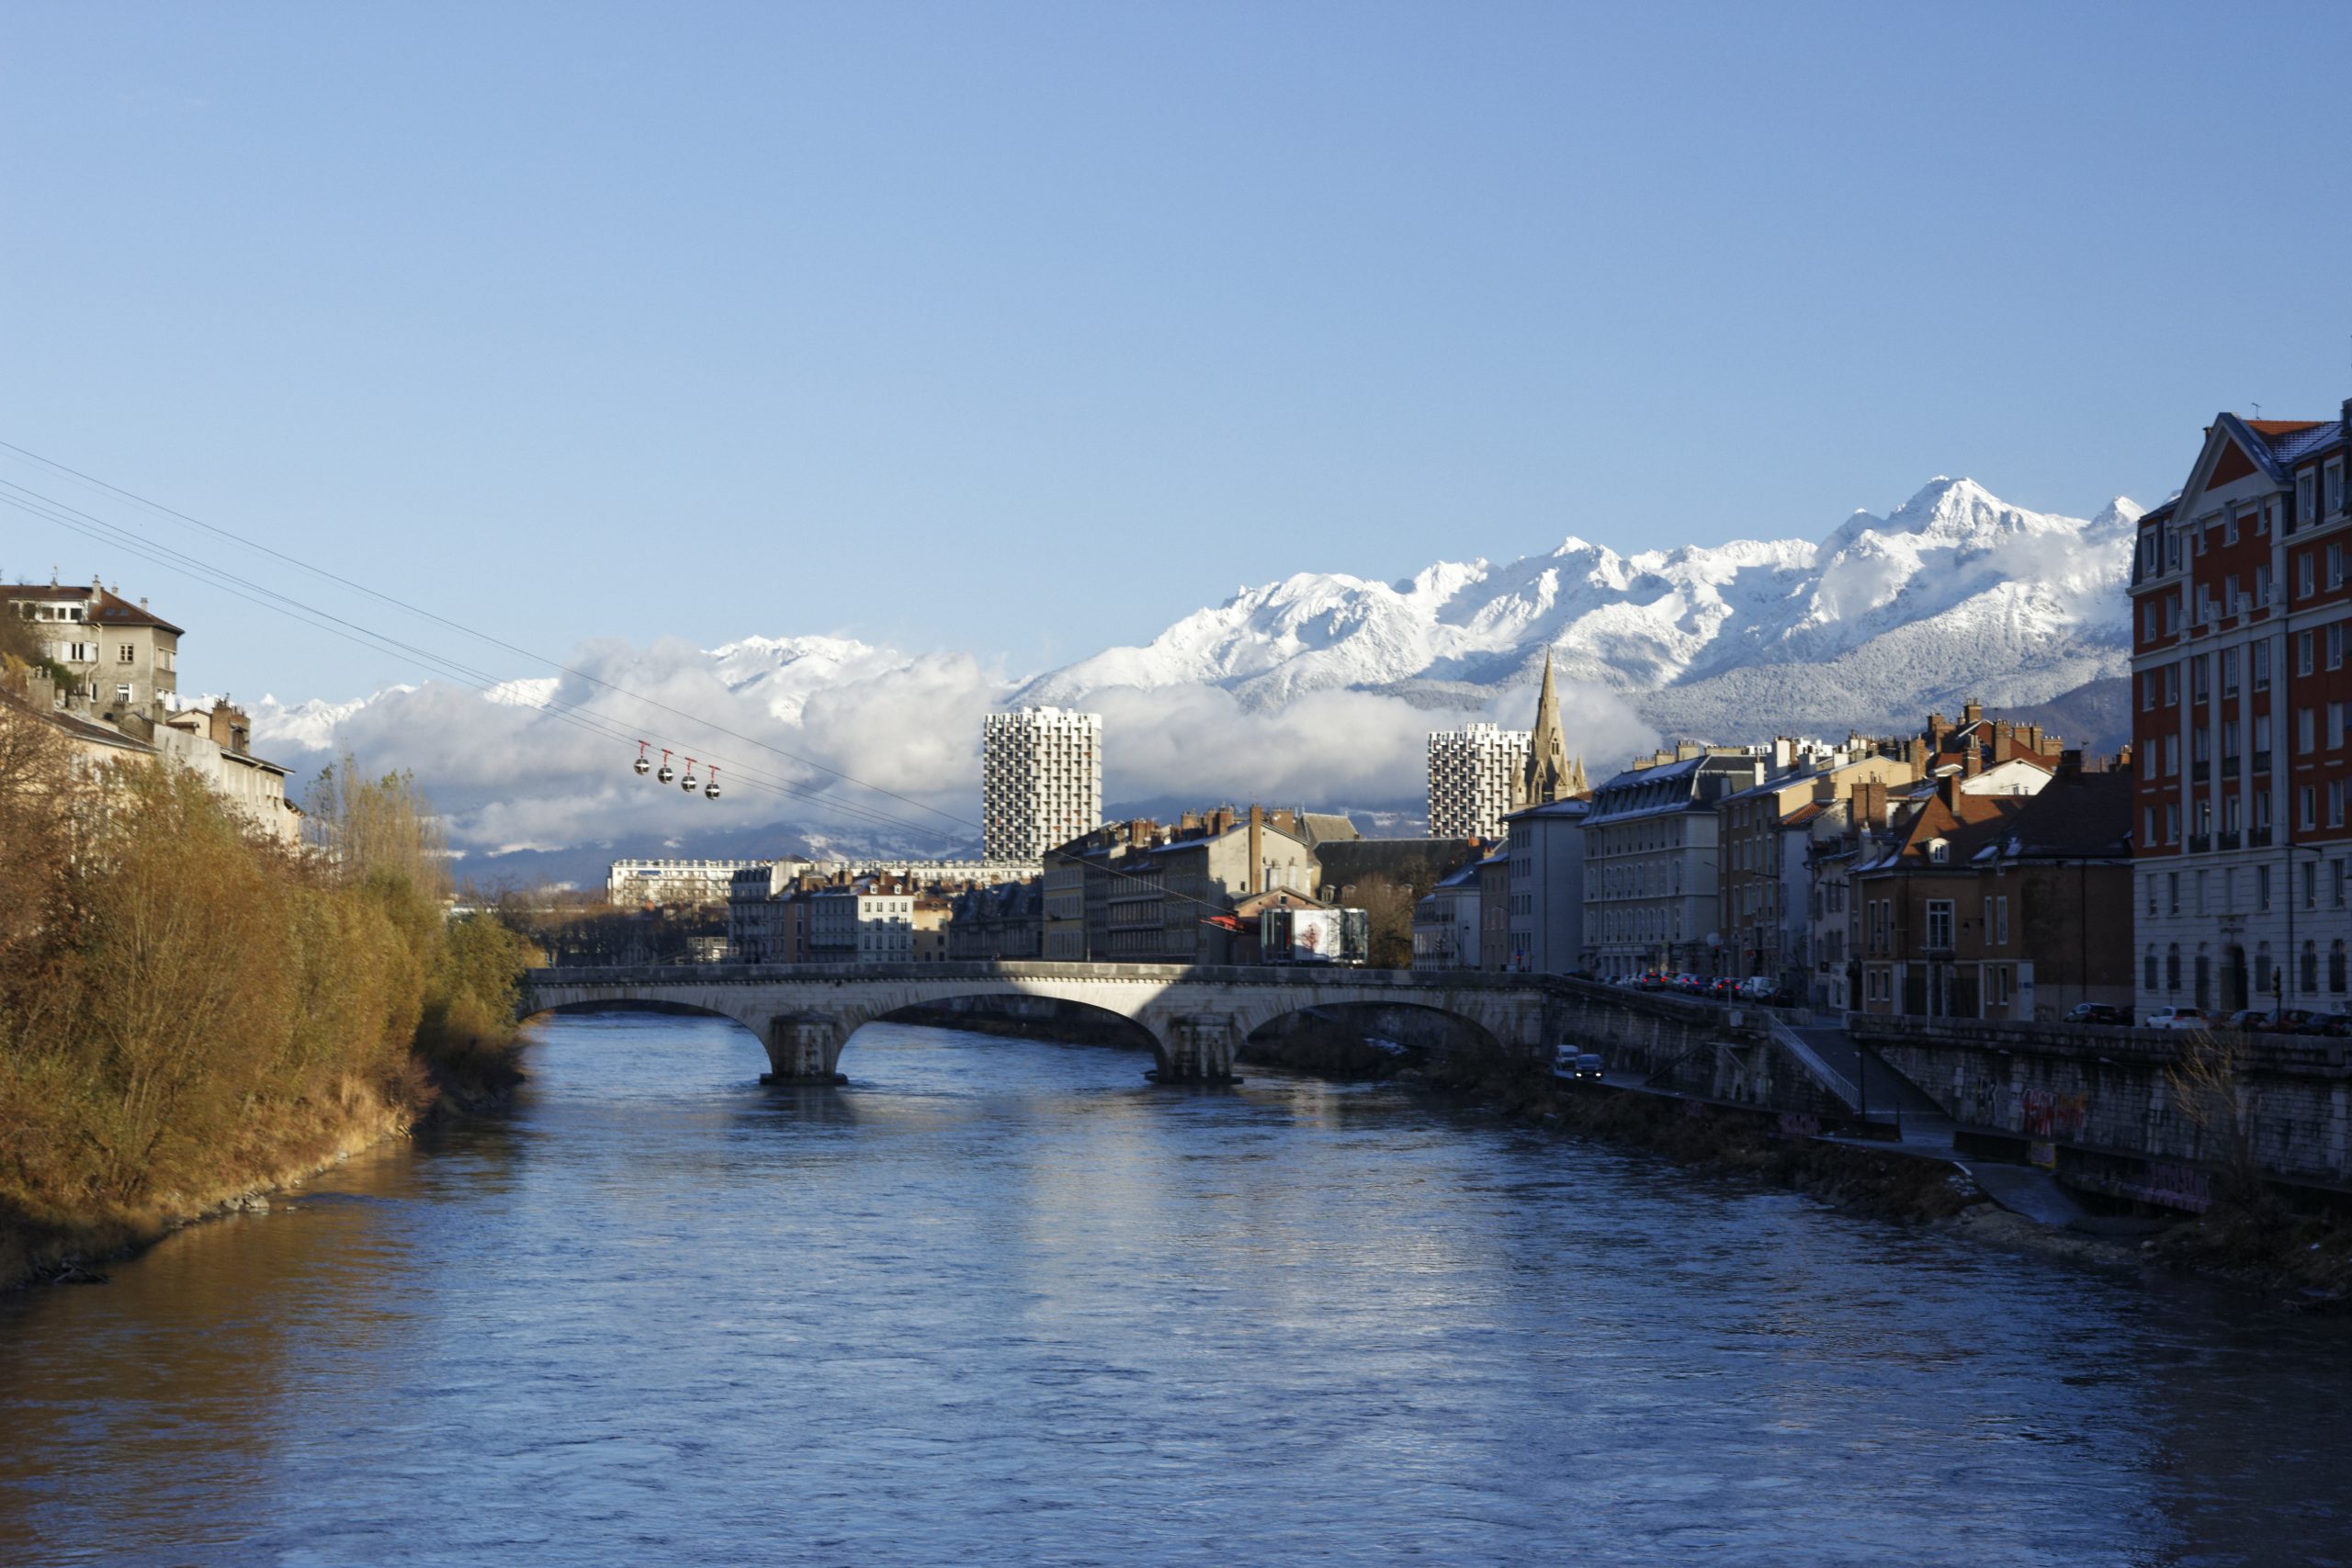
[[999, 1301]]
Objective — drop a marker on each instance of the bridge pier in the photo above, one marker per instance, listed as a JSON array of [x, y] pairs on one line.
[[1199, 1048], [803, 1047]]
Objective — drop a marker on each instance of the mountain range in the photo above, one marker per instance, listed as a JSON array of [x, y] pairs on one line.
[[1320, 686]]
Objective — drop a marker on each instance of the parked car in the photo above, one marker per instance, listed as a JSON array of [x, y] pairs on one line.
[[1760, 989], [2246, 1020], [2099, 1013], [2298, 1021], [2336, 1025], [2178, 1018]]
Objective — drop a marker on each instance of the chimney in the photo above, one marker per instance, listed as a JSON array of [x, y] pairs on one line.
[[1256, 849], [1948, 791], [2070, 764], [1971, 711], [1972, 762]]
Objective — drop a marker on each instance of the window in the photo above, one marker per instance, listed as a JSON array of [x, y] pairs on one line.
[[2172, 756], [2172, 833], [2262, 665], [2307, 808], [2311, 885], [2229, 659], [2001, 920], [2262, 890], [82, 652], [122, 694], [2150, 971], [2306, 731], [2332, 488], [2335, 720], [2336, 646], [2171, 893], [2336, 565], [2336, 964], [1998, 974], [124, 654], [1939, 922], [2306, 498], [1940, 850], [2304, 643], [2306, 573], [2171, 966], [2201, 685]]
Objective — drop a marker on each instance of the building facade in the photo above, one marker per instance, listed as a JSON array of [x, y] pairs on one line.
[[122, 657], [1651, 872], [689, 882], [2242, 698], [1473, 780], [1445, 923], [1545, 852], [1041, 780]]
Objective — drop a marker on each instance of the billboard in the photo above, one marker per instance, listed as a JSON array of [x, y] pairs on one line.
[[1312, 936]]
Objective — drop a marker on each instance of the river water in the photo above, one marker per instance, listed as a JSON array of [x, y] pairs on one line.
[[1001, 1302]]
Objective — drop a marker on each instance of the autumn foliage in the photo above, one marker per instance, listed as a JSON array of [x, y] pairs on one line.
[[187, 1009]]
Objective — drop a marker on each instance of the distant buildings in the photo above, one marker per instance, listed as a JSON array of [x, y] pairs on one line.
[[1142, 892], [643, 882], [2242, 699], [1041, 780]]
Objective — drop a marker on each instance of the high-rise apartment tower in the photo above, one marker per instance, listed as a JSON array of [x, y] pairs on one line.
[[1041, 780], [1473, 779]]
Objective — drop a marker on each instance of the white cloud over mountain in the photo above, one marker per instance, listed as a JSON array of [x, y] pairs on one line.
[[1319, 689]]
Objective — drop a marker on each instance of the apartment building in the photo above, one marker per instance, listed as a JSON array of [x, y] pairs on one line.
[[2242, 698], [680, 882], [1545, 899], [123, 657], [1473, 779], [1651, 872], [2001, 907], [1445, 923], [870, 920], [1766, 836], [1041, 780], [121, 699]]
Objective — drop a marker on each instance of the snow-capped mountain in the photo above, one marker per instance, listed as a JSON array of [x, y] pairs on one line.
[[1320, 688], [1952, 590]]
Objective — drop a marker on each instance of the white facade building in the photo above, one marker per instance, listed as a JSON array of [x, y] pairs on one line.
[[860, 925], [1473, 772], [1041, 781], [672, 881]]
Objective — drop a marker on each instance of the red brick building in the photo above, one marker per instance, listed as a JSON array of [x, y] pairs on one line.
[[2242, 694]]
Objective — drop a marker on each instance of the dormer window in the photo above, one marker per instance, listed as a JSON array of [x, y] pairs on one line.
[[2306, 498], [1940, 850]]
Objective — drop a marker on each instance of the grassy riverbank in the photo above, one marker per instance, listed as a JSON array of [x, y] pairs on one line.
[[189, 1012]]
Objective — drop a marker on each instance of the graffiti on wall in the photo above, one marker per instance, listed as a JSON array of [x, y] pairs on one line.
[[2048, 1115]]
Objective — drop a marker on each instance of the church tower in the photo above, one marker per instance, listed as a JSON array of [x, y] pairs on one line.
[[1549, 775]]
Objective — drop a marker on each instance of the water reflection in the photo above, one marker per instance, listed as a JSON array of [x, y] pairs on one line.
[[1002, 1301]]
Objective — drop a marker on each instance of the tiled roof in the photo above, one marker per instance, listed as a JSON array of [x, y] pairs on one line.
[[2077, 814], [110, 610]]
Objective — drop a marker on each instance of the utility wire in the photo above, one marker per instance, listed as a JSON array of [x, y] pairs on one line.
[[579, 715], [472, 632]]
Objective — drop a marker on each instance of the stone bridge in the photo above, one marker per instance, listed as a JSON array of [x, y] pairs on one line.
[[1196, 1017]]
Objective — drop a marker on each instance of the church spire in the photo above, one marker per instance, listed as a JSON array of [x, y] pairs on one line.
[[1548, 775]]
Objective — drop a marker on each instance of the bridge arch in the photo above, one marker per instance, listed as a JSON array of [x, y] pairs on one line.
[[1073, 1021], [1195, 1017]]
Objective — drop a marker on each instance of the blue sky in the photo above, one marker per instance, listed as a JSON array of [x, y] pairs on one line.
[[1027, 328]]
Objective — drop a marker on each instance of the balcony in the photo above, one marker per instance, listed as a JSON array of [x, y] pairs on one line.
[[2229, 767], [2260, 838], [2262, 761], [2197, 771], [2230, 839], [2199, 842]]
